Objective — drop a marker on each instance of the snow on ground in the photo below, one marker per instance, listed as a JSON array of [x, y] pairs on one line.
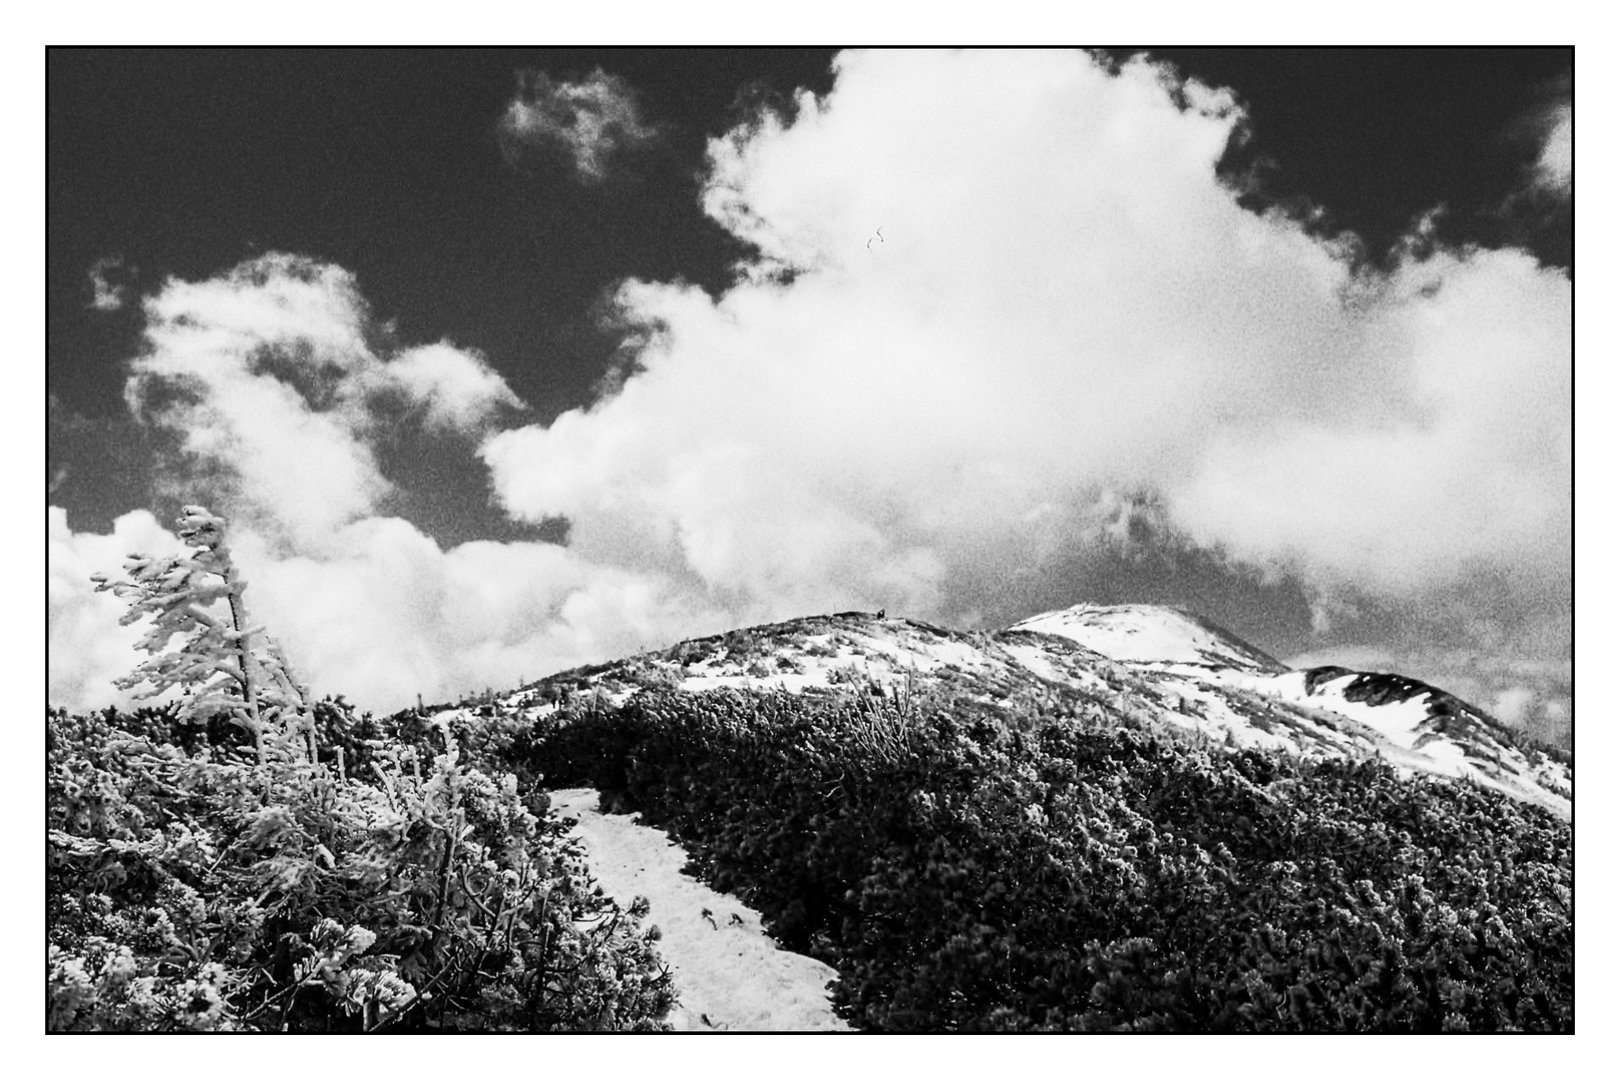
[[728, 974], [1136, 633], [884, 657], [1397, 730], [1037, 660], [923, 657], [720, 674], [1396, 723], [792, 681], [1211, 712]]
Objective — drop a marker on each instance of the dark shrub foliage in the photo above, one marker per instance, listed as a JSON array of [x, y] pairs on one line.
[[406, 889], [1059, 875]]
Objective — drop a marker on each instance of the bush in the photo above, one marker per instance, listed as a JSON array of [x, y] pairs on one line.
[[1056, 874], [244, 860], [188, 891]]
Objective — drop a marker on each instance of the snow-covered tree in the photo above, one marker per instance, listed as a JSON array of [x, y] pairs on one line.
[[222, 665]]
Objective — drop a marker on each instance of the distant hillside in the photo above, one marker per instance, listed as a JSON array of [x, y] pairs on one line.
[[1118, 820], [1151, 665]]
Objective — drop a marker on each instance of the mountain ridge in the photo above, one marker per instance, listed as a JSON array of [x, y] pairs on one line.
[[1150, 665]]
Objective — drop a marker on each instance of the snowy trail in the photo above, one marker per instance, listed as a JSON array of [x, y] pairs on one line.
[[729, 975]]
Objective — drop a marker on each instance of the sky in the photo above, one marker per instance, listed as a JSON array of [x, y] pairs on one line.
[[504, 361]]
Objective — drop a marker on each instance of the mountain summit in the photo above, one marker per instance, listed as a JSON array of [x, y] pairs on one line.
[[1139, 633], [1146, 666]]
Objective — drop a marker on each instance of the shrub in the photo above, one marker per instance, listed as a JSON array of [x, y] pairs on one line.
[[182, 895], [334, 873], [1055, 874]]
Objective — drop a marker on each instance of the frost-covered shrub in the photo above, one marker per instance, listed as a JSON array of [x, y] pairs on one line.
[[223, 665], [339, 874], [182, 894], [1057, 874]]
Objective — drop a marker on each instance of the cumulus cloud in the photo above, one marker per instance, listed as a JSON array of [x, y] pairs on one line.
[[1067, 306], [591, 120], [1467, 465], [379, 612], [268, 379], [1072, 347], [385, 613]]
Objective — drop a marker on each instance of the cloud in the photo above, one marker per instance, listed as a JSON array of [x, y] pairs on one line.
[[1512, 705], [1555, 167], [1068, 307], [268, 379], [458, 389], [384, 613], [378, 612], [250, 371], [107, 293], [1465, 465], [86, 647], [592, 120], [1074, 352]]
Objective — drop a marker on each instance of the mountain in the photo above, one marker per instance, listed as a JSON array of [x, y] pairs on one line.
[[1149, 666], [1140, 633], [1102, 819]]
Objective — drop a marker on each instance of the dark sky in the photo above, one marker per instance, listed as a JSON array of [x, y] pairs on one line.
[[385, 162], [177, 165]]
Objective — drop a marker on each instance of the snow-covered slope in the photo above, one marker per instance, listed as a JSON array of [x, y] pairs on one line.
[[1143, 664], [1220, 684], [1137, 665], [1138, 633]]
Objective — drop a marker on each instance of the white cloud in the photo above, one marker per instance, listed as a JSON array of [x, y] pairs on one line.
[[1512, 705], [458, 388], [249, 370], [387, 614], [1555, 168], [379, 613], [1070, 332], [1465, 462], [267, 377], [592, 119], [86, 647], [1067, 305]]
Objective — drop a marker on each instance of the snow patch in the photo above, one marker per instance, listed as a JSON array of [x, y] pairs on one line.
[[728, 974], [1135, 633]]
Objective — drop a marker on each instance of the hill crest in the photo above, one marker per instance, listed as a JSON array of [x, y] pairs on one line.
[[1147, 666]]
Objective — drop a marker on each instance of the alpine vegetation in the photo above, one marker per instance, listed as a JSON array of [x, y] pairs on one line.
[[220, 667], [240, 859], [1100, 819]]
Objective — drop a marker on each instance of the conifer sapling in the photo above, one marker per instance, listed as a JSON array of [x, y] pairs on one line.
[[222, 665]]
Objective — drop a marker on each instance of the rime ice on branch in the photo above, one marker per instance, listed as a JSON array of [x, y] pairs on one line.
[[223, 665]]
